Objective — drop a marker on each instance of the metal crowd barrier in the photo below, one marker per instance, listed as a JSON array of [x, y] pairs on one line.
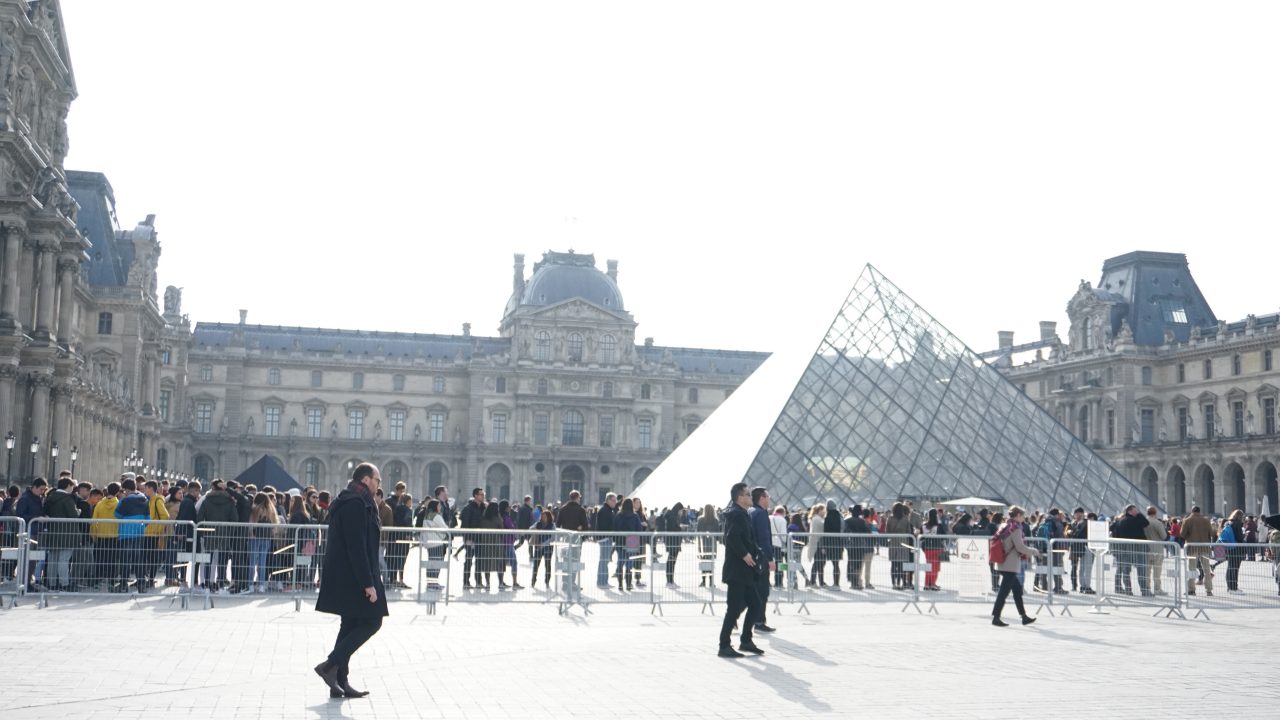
[[13, 541], [892, 563], [1221, 576], [486, 566], [1118, 573]]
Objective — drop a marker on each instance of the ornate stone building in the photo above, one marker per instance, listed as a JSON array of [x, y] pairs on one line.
[[1181, 402], [563, 398]]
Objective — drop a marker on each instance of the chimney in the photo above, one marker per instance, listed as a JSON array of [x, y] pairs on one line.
[[648, 342], [613, 270], [244, 315], [518, 282], [466, 329], [1006, 339], [1048, 330]]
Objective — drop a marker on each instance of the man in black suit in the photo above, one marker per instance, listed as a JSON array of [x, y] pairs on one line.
[[742, 565]]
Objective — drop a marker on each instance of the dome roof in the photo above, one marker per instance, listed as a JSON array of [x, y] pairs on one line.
[[563, 276]]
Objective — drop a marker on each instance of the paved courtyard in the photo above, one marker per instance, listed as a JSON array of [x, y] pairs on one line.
[[253, 658]]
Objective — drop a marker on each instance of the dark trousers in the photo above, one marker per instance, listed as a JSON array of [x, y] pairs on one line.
[[541, 555], [133, 558], [1008, 583], [353, 633], [762, 592], [1234, 558], [470, 550], [673, 552], [855, 569], [741, 596]]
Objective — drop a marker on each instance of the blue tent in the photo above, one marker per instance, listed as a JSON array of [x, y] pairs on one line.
[[268, 471]]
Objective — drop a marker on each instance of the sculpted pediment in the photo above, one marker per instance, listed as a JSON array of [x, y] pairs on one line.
[[576, 310]]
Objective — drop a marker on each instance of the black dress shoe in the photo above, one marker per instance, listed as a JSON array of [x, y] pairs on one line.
[[761, 627], [1027, 619], [750, 649], [348, 691], [998, 622], [329, 674], [728, 652]]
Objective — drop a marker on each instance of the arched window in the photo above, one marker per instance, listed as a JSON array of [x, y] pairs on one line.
[[273, 376], [575, 347], [542, 345], [608, 350], [572, 431], [202, 467], [542, 386]]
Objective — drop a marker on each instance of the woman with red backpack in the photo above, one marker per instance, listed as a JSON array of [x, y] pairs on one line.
[[1009, 543]]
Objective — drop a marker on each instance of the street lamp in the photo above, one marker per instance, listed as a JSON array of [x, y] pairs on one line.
[[9, 442], [53, 459], [75, 453], [35, 449]]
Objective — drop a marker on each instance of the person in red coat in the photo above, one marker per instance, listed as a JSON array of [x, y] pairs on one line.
[[350, 584]]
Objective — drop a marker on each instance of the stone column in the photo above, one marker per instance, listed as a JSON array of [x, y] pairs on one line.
[[40, 385], [67, 270], [8, 398], [144, 389], [61, 430], [155, 386], [48, 288], [9, 297]]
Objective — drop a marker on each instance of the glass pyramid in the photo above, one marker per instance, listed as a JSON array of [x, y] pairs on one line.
[[890, 406]]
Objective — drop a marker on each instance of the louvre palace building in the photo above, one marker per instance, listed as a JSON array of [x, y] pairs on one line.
[[1181, 402]]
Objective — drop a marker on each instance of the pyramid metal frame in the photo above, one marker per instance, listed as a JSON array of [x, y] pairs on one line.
[[893, 406]]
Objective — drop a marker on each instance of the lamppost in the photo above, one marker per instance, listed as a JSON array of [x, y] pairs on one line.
[[35, 449], [53, 459], [9, 442], [75, 453]]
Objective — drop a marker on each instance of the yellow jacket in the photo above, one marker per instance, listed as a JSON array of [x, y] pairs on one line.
[[105, 510], [158, 512]]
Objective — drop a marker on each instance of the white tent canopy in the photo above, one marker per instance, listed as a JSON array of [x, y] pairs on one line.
[[973, 502]]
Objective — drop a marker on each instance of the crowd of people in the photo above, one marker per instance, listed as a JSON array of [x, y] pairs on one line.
[[136, 554]]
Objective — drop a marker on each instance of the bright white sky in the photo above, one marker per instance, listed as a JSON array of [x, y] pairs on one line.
[[374, 165]]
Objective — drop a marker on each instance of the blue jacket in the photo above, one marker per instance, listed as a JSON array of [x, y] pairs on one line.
[[133, 507], [29, 507], [764, 531]]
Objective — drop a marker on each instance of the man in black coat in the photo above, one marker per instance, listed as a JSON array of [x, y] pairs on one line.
[[742, 565], [858, 547], [1131, 526], [350, 584], [470, 517]]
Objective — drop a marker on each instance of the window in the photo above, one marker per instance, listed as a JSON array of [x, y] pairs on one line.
[[1111, 427], [162, 460], [1174, 312], [315, 422], [311, 472], [273, 376], [500, 385], [437, 385], [1208, 422], [1182, 372], [646, 433], [104, 323], [397, 383], [572, 432], [1184, 423], [575, 347], [355, 424], [1146, 376], [1269, 416], [499, 428], [396, 418], [541, 424], [542, 386], [166, 396], [608, 390], [542, 345], [1266, 361], [435, 427], [1236, 365], [1087, 331], [1148, 425], [645, 391], [1237, 418], [693, 396], [608, 350], [204, 417], [357, 381], [1208, 369], [317, 378], [166, 357], [206, 373], [271, 426], [606, 431]]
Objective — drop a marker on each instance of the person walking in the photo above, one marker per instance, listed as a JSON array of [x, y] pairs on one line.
[[1197, 538], [351, 586], [1015, 550], [742, 565]]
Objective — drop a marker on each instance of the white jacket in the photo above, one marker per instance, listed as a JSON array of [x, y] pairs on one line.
[[815, 538], [779, 526]]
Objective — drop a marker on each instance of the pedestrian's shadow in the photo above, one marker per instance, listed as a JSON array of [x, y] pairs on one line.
[[334, 708], [797, 651], [1053, 635], [787, 686]]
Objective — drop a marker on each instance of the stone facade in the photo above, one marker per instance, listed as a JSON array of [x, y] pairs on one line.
[[1183, 404], [563, 398]]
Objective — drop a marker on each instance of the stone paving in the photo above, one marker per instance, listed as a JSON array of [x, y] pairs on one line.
[[118, 659]]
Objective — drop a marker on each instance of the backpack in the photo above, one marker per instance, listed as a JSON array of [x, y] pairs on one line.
[[1045, 531], [995, 550]]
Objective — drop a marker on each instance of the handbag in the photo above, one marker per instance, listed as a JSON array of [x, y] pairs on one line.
[[632, 542], [995, 549], [1219, 552]]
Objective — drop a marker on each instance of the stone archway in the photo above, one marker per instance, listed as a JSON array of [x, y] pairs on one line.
[[572, 477], [1233, 488], [202, 467], [1150, 483], [1266, 484], [1203, 492], [497, 481], [1177, 484]]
